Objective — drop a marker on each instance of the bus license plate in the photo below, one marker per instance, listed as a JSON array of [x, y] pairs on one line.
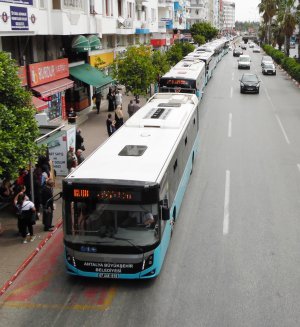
[[108, 275]]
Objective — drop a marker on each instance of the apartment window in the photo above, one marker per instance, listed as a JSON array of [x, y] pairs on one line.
[[153, 15], [73, 4], [130, 9], [42, 4], [120, 8], [56, 4], [108, 7]]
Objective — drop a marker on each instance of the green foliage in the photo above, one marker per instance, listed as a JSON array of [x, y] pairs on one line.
[[18, 127], [199, 39], [178, 51], [160, 63], [135, 70], [205, 29]]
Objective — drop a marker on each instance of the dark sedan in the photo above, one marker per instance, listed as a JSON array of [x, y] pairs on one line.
[[249, 83], [237, 52]]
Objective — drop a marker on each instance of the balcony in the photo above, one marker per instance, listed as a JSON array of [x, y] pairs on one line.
[[162, 27], [165, 3], [125, 26]]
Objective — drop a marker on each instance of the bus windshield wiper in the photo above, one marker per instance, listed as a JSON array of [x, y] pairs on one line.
[[131, 243]]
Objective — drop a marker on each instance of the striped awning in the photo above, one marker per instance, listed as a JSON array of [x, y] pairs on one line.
[[39, 104], [54, 87]]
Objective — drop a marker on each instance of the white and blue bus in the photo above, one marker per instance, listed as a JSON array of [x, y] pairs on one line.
[[209, 59], [121, 203], [187, 76]]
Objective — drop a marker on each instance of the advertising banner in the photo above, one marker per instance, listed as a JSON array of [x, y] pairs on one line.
[[19, 2], [19, 18], [48, 71]]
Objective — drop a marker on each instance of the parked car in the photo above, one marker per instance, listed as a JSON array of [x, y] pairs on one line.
[[244, 61], [249, 83], [266, 60], [269, 69], [251, 45], [256, 49], [237, 52], [244, 46]]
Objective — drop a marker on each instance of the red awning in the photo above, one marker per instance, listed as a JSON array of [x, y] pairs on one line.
[[39, 104], [54, 87]]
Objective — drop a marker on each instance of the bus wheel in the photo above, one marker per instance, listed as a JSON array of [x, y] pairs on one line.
[[192, 164], [172, 222]]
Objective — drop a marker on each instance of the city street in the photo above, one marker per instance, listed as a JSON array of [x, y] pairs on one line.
[[234, 257]]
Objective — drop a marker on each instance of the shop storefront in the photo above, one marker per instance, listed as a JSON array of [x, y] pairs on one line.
[[48, 82]]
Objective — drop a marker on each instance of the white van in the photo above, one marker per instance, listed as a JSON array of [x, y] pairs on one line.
[[244, 62]]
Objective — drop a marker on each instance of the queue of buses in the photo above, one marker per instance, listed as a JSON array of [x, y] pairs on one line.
[[120, 205]]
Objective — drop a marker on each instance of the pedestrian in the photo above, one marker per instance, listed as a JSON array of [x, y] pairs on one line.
[[37, 189], [79, 140], [71, 158], [48, 206], [72, 116], [119, 117], [136, 106], [80, 157], [26, 211], [111, 100], [130, 109], [119, 98], [110, 125], [97, 98]]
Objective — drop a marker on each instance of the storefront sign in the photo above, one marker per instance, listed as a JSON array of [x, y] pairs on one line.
[[106, 58], [22, 75], [19, 18], [48, 71], [19, 2]]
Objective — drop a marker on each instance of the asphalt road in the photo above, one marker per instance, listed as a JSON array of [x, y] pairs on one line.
[[234, 259]]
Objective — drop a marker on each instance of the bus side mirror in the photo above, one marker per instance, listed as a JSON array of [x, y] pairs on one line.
[[165, 213]]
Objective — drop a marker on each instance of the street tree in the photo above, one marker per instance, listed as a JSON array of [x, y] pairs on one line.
[[160, 63], [134, 69], [205, 29], [18, 127], [178, 51], [268, 9]]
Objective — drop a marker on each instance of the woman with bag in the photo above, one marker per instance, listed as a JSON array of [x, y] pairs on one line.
[[27, 214]]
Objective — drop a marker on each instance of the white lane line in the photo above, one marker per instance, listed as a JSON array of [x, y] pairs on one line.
[[226, 204], [232, 76], [298, 165], [282, 129], [231, 92], [230, 125]]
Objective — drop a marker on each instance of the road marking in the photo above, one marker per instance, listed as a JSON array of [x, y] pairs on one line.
[[226, 203], [232, 76], [231, 92], [230, 125], [298, 165], [282, 129]]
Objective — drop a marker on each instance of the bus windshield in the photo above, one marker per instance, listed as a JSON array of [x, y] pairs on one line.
[[121, 225]]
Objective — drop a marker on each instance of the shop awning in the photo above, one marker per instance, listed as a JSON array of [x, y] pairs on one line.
[[80, 44], [90, 75], [39, 104], [54, 87], [94, 42]]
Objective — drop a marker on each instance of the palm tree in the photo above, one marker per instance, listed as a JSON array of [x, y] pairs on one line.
[[287, 19], [268, 9]]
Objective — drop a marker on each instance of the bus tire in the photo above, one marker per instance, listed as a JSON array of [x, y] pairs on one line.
[[173, 221], [192, 164]]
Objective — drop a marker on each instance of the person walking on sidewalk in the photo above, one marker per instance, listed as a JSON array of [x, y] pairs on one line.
[[110, 125], [130, 109], [136, 106], [111, 100], [98, 97], [26, 210], [119, 98], [119, 117], [80, 157], [48, 206], [71, 159]]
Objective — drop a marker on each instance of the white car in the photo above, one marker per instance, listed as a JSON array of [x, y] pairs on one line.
[[269, 69], [256, 49]]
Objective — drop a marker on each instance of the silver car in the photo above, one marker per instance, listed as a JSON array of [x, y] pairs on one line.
[[266, 60], [269, 69]]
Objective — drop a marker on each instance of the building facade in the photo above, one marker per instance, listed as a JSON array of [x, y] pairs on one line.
[[227, 16]]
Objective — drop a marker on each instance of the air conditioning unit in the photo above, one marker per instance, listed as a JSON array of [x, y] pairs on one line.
[[42, 119]]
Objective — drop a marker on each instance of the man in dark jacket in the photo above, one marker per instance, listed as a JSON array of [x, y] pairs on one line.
[[47, 202]]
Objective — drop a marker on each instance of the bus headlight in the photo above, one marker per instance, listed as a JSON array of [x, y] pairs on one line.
[[148, 262]]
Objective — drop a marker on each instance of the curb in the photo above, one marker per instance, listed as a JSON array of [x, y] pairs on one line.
[[29, 259]]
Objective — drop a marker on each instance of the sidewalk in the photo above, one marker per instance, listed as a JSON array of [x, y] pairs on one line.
[[13, 252]]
